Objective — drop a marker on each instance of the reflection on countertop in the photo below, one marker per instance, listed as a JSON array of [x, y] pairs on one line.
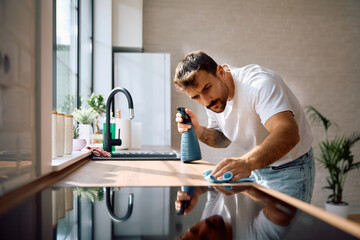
[[220, 212]]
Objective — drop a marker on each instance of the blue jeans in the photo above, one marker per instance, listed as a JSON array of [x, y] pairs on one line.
[[295, 178]]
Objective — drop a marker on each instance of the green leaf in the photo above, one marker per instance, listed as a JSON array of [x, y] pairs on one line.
[[316, 116], [96, 102]]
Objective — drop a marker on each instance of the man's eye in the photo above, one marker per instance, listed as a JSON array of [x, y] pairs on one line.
[[207, 88], [195, 97]]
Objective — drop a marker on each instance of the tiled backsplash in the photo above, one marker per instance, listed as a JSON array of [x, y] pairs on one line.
[[17, 93]]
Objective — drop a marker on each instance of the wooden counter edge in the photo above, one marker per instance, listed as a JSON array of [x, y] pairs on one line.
[[19, 195], [346, 225]]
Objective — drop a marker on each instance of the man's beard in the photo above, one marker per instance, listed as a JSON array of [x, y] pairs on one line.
[[220, 105], [221, 101]]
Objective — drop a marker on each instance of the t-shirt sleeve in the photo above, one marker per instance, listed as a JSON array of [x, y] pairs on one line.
[[268, 96]]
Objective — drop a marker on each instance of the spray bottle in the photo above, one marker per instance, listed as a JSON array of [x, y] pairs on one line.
[[185, 203], [189, 149]]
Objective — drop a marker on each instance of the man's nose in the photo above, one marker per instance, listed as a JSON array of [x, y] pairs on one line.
[[205, 100]]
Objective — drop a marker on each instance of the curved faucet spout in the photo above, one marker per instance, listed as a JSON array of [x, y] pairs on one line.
[[110, 205], [109, 142]]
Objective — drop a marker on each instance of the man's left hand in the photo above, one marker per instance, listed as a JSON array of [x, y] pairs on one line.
[[239, 167]]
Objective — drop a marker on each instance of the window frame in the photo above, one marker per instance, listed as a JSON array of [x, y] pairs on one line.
[[78, 57]]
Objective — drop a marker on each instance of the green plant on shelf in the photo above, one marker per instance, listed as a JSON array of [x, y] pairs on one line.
[[335, 156], [96, 102], [85, 116]]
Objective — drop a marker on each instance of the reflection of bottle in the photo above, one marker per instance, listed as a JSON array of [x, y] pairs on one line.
[[189, 149], [185, 204]]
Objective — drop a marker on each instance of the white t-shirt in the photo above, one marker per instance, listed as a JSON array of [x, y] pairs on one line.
[[245, 216], [259, 94]]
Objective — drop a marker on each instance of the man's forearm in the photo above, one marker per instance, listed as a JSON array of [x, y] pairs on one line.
[[274, 147], [212, 137]]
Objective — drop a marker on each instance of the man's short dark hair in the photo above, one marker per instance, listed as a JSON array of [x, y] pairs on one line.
[[189, 66]]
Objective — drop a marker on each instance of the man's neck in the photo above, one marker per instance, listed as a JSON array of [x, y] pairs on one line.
[[230, 84]]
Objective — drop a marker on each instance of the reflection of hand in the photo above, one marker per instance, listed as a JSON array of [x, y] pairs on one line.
[[183, 196], [237, 166]]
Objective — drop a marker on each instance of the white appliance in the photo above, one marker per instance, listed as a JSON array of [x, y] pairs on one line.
[[147, 77]]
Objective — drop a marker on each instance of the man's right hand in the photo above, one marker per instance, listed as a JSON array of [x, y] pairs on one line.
[[182, 127]]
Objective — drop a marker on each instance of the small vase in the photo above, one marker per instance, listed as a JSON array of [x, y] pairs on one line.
[[78, 144], [341, 209], [85, 132]]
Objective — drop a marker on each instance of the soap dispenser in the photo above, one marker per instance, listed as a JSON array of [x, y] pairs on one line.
[[189, 148]]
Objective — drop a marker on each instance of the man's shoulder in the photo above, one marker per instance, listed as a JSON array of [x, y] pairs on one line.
[[249, 72], [246, 68], [253, 75]]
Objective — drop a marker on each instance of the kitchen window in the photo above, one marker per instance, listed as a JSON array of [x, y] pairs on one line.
[[73, 61], [73, 54]]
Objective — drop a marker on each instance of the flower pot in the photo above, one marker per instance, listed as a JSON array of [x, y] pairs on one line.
[[85, 132], [340, 209], [78, 144]]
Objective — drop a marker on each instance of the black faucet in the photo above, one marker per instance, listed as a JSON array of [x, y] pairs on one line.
[[109, 142]]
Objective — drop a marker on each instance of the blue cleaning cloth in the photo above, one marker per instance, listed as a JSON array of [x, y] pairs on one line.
[[226, 178]]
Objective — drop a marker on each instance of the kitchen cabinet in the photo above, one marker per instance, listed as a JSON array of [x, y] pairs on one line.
[[127, 23]]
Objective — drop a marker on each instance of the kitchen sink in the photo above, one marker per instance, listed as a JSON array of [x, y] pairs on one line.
[[141, 155]]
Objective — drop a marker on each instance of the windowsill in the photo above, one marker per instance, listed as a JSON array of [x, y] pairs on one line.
[[62, 162]]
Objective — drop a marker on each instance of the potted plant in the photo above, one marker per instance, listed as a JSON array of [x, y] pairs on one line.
[[96, 102], [85, 117], [337, 158], [78, 143]]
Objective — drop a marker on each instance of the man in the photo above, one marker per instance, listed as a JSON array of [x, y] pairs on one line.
[[253, 108], [241, 212]]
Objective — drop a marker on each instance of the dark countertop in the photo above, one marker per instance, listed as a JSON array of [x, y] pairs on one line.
[[237, 212]]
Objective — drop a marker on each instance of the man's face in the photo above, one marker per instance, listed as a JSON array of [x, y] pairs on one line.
[[210, 91]]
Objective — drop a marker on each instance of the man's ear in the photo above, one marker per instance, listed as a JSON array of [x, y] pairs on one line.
[[220, 72]]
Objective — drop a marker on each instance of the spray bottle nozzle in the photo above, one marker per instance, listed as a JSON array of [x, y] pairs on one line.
[[185, 116]]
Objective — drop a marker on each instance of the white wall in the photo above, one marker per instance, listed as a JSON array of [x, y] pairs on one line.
[[102, 46], [127, 23], [314, 45]]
